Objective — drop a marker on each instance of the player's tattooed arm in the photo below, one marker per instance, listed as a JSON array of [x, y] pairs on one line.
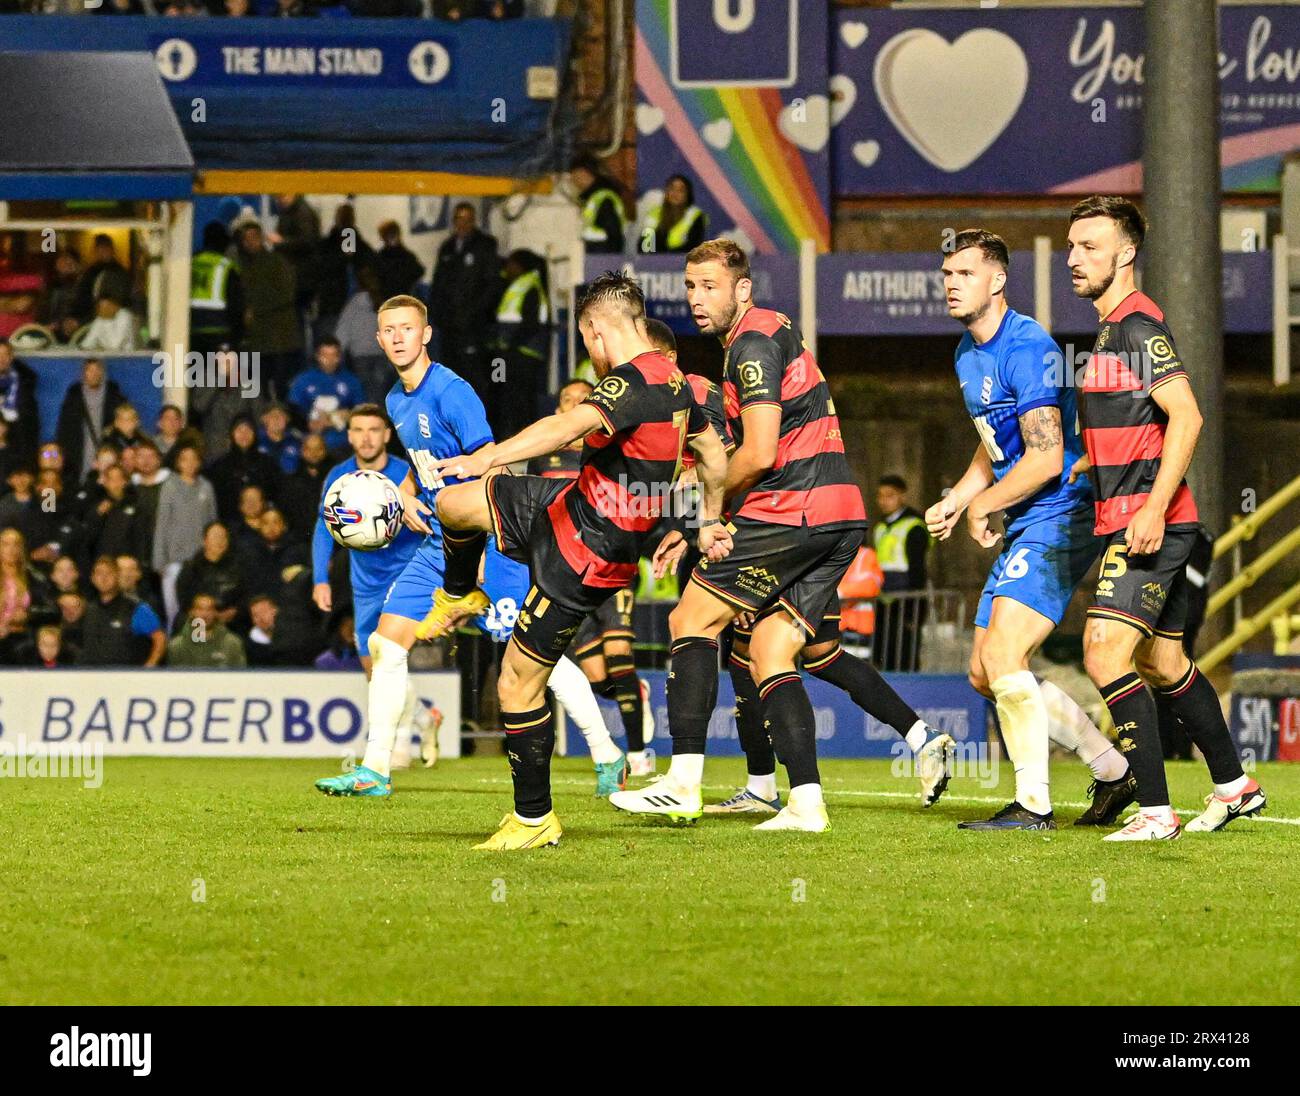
[[1041, 428], [1041, 462]]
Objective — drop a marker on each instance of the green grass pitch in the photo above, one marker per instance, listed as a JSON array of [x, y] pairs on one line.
[[315, 900]]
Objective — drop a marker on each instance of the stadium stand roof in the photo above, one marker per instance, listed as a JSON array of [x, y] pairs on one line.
[[67, 137]]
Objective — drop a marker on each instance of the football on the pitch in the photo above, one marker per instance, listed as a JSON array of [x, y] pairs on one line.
[[363, 511]]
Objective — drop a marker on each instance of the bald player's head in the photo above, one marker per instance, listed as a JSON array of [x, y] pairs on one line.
[[661, 338]]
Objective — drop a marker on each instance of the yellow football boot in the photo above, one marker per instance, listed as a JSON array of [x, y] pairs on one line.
[[514, 834], [449, 611]]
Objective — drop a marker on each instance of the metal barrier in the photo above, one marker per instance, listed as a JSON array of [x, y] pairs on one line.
[[1277, 614]]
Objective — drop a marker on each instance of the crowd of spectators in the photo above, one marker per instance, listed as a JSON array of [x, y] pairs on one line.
[[454, 10], [187, 543]]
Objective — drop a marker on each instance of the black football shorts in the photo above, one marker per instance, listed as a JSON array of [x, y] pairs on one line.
[[1148, 592]]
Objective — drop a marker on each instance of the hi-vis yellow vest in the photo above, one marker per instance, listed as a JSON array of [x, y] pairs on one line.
[[591, 232], [209, 273], [511, 308], [652, 589], [677, 235], [891, 543]]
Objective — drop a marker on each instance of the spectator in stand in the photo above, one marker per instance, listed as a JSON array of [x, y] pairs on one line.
[[61, 302], [21, 508], [216, 409], [341, 654], [355, 332], [18, 403], [104, 277], [216, 293], [171, 425], [49, 457], [187, 504], [205, 641], [901, 542], [118, 630], [72, 614], [676, 224], [236, 9], [116, 527], [522, 339], [87, 409], [49, 651], [279, 440], [91, 491], [21, 590], [113, 328], [501, 9], [137, 583], [275, 560], [247, 531], [297, 227], [9, 459], [341, 256], [396, 266], [302, 493], [62, 532], [65, 578], [272, 323], [124, 432], [147, 480], [325, 392], [600, 201], [292, 9], [214, 571], [240, 466], [463, 295], [262, 612]]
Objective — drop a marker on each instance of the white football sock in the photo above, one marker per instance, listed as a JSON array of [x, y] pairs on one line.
[[387, 701], [1164, 812], [806, 797], [686, 771], [573, 691], [1023, 717], [1069, 726], [1232, 789], [762, 786], [917, 736], [406, 721]]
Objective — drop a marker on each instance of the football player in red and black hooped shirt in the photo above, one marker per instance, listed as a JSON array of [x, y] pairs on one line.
[[798, 521], [1140, 423], [823, 657], [583, 538]]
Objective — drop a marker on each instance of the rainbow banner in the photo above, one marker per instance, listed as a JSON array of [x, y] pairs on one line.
[[733, 95]]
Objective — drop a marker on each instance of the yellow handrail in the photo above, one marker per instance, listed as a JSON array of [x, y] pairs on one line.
[[1249, 628], [1246, 528], [1249, 575]]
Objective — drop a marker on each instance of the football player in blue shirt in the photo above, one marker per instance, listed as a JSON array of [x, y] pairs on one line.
[[372, 573], [436, 415], [1023, 406]]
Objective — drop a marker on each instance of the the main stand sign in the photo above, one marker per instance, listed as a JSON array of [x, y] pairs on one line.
[[205, 713]]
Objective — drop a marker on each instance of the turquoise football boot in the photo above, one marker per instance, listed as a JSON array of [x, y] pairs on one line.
[[611, 777], [359, 782]]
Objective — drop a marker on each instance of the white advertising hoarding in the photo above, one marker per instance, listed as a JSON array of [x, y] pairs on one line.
[[205, 713]]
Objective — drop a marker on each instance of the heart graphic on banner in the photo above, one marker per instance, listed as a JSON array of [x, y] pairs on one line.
[[807, 124], [866, 152], [718, 133], [853, 34], [951, 100], [649, 119], [844, 93]]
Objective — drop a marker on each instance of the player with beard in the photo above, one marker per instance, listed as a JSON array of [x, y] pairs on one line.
[[583, 538], [823, 657], [1140, 423], [1024, 413], [797, 518]]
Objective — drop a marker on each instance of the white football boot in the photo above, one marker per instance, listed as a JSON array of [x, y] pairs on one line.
[[663, 798], [1219, 812], [1147, 827]]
